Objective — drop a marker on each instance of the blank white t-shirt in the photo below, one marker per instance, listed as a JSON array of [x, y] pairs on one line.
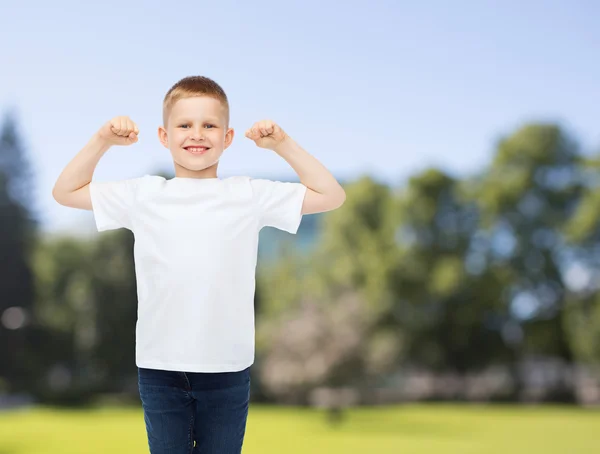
[[195, 251]]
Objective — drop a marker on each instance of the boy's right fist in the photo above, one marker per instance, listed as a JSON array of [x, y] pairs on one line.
[[119, 131]]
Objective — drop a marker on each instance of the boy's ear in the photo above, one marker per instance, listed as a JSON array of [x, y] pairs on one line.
[[229, 137], [163, 137]]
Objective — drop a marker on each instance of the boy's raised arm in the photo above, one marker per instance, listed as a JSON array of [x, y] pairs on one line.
[[324, 193], [72, 187]]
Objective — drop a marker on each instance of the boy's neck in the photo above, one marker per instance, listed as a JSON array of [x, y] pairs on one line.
[[208, 173]]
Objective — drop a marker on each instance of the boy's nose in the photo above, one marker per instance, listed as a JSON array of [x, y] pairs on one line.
[[197, 135]]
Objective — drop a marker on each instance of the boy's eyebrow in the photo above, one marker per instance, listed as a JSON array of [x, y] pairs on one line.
[[211, 119]]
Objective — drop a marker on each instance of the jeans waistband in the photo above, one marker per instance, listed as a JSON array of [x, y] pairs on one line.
[[193, 380]]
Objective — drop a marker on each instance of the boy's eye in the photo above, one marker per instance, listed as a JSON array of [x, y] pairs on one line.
[[206, 126]]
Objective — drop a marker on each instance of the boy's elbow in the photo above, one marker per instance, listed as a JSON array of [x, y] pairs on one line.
[[60, 196], [340, 198], [57, 195], [79, 198]]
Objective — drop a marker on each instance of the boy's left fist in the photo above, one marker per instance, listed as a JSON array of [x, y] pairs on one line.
[[266, 134]]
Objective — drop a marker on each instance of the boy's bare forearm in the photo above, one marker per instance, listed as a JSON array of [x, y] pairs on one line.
[[312, 173], [79, 172]]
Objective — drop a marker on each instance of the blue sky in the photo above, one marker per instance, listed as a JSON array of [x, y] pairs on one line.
[[386, 88]]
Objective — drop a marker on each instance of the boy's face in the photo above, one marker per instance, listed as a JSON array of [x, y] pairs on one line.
[[197, 133]]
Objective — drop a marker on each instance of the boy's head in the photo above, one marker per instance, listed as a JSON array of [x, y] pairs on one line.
[[196, 126]]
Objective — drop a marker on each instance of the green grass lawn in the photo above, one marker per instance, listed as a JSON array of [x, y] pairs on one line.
[[400, 429]]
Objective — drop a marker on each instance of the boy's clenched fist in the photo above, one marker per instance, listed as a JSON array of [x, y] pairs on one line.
[[119, 131], [266, 134]]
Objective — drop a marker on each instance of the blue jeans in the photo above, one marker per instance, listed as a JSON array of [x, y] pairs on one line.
[[189, 413]]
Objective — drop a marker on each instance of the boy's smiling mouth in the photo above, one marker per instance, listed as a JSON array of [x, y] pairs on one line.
[[196, 150]]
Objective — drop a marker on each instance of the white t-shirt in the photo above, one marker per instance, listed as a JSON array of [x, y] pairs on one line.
[[196, 243]]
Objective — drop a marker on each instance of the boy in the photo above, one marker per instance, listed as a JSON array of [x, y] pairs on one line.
[[196, 239]]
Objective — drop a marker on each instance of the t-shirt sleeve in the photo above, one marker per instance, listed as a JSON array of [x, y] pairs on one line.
[[279, 204], [113, 203]]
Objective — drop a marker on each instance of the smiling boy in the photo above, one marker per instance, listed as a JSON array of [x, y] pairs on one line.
[[196, 241]]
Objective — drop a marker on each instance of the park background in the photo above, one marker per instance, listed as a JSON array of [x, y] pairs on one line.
[[451, 305]]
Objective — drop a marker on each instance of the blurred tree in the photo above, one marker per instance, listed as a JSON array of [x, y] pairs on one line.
[[357, 249], [113, 309], [15, 165], [322, 312], [582, 326], [17, 238], [527, 196], [582, 320], [358, 254], [87, 299], [314, 345], [62, 271], [446, 299]]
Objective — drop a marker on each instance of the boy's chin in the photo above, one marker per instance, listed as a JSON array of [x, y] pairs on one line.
[[196, 166], [184, 157]]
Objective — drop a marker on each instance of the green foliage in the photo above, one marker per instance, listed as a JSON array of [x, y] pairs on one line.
[[17, 239], [87, 293], [528, 196], [582, 324], [357, 248], [14, 165], [63, 281]]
